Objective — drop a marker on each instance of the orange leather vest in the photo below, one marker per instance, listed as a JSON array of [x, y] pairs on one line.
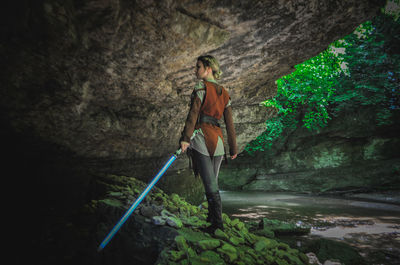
[[216, 98]]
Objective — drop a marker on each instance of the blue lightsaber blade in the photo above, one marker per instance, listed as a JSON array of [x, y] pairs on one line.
[[138, 201]]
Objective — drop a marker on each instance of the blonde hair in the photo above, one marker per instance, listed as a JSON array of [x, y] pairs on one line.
[[210, 61]]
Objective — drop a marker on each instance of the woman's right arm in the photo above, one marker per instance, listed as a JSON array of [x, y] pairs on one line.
[[191, 121]]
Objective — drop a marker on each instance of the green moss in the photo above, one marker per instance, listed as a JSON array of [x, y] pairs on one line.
[[209, 244], [236, 240], [252, 253], [235, 222], [240, 226], [172, 208], [265, 232], [202, 216], [265, 243], [260, 245], [248, 259], [211, 257], [181, 243], [281, 262], [282, 228], [283, 255], [270, 259], [251, 238], [191, 253], [328, 249], [112, 202], [283, 246], [234, 245], [226, 219], [193, 221], [228, 251], [184, 262], [176, 255], [174, 222], [303, 257], [295, 260], [221, 234]]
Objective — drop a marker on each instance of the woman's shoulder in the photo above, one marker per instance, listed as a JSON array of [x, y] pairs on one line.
[[200, 85]]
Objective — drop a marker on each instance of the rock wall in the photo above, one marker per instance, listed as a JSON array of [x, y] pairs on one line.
[[351, 154], [107, 83]]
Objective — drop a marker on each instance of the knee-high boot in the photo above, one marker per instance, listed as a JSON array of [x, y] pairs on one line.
[[214, 211]]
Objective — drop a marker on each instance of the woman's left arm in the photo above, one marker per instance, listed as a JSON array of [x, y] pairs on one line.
[[230, 129]]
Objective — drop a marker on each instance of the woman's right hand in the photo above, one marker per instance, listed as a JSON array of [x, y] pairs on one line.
[[184, 146]]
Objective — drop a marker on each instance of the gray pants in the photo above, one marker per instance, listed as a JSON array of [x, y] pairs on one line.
[[209, 170]]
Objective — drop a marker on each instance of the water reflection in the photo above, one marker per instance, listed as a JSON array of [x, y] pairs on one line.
[[286, 206], [367, 225]]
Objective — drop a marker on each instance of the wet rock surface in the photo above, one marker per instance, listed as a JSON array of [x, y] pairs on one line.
[[351, 155]]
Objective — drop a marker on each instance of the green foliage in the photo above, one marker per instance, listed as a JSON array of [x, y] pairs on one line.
[[306, 93], [362, 69], [374, 64]]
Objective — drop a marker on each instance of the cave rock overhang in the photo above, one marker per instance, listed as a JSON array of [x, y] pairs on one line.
[[112, 79]]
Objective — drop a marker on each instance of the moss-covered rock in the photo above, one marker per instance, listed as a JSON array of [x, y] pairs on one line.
[[112, 202], [229, 252], [221, 234], [226, 219], [208, 244], [176, 255], [235, 222], [282, 228], [233, 245], [158, 220], [211, 257], [174, 222], [236, 241], [265, 243], [328, 249], [191, 253], [181, 243], [265, 232]]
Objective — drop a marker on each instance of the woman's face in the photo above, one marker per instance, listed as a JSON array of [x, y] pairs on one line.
[[201, 71]]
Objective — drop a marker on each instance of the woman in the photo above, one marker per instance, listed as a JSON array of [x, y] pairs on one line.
[[203, 135]]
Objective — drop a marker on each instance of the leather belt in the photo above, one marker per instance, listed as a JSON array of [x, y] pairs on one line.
[[208, 119]]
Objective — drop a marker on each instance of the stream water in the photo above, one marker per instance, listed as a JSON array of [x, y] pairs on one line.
[[371, 226]]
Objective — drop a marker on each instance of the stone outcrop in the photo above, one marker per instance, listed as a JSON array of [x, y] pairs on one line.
[[109, 81], [351, 154], [144, 240]]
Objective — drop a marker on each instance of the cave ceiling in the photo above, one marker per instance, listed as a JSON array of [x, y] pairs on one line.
[[112, 79]]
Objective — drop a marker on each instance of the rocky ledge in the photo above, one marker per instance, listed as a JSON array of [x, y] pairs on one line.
[[164, 229]]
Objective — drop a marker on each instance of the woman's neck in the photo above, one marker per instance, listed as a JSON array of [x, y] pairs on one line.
[[209, 78]]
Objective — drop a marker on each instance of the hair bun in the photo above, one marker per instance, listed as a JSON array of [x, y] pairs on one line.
[[217, 74]]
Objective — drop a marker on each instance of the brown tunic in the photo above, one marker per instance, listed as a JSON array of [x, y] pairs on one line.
[[214, 104]]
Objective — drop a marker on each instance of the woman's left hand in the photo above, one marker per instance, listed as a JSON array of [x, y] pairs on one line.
[[234, 156]]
